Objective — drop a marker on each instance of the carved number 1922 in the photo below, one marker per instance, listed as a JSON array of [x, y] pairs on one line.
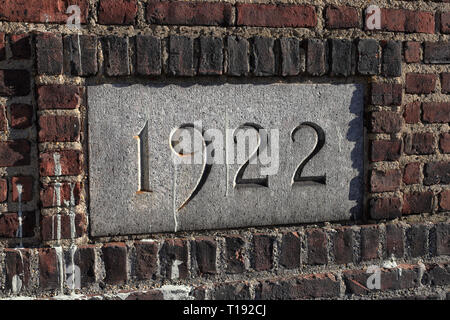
[[239, 180]]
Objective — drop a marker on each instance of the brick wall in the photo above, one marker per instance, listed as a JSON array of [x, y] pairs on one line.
[[45, 66]]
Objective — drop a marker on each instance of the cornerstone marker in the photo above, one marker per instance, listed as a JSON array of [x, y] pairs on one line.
[[139, 183]]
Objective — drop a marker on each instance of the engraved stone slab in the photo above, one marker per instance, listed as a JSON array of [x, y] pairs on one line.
[[308, 168]]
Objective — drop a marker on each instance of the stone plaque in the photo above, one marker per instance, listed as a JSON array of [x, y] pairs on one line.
[[171, 157]]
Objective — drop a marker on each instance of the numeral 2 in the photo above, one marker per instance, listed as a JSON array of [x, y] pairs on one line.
[[297, 177], [239, 181]]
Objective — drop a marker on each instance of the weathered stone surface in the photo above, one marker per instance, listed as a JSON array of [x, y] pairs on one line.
[[151, 200]]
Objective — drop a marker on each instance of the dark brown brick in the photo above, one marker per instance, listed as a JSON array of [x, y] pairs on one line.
[[369, 59], [290, 250], [211, 56], [416, 237], [339, 17], [316, 57], [292, 57], [148, 55], [122, 12], [49, 227], [342, 57], [412, 51], [48, 269], [174, 259], [14, 153], [231, 291], [116, 56], [386, 94], [442, 238], [3, 190], [14, 83], [412, 112], [84, 258], [17, 263], [278, 16], [392, 58], [234, 254], [437, 52], [21, 115], [394, 241], [20, 45], [385, 150], [80, 55], [69, 161], [436, 173], [262, 258], [445, 82], [204, 253], [417, 202], [444, 142], [317, 246], [420, 143], [67, 192], [263, 57], [370, 240], [436, 112], [343, 243], [58, 128], [181, 56], [189, 13], [238, 56], [386, 122], [420, 83], [9, 224], [411, 173], [385, 208], [49, 53], [115, 259], [146, 260], [59, 97], [383, 181]]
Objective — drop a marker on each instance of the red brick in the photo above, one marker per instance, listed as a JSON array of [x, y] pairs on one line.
[[3, 119], [385, 150], [394, 241], [343, 245], [69, 161], [17, 262], [49, 227], [444, 200], [204, 253], [420, 83], [44, 11], [401, 20], [14, 83], [262, 258], [445, 82], [411, 173], [117, 11], [14, 153], [412, 51], [317, 246], [3, 190], [417, 202], [20, 46], [341, 17], [386, 94], [419, 143], [2, 46], [48, 194], [412, 112], [445, 22], [235, 259], [385, 181], [59, 128], [189, 13], [171, 251], [9, 224], [385, 208], [59, 97], [278, 16], [27, 188], [115, 259], [386, 122], [444, 142], [48, 269], [436, 112], [370, 240], [21, 115], [146, 260], [290, 250]]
